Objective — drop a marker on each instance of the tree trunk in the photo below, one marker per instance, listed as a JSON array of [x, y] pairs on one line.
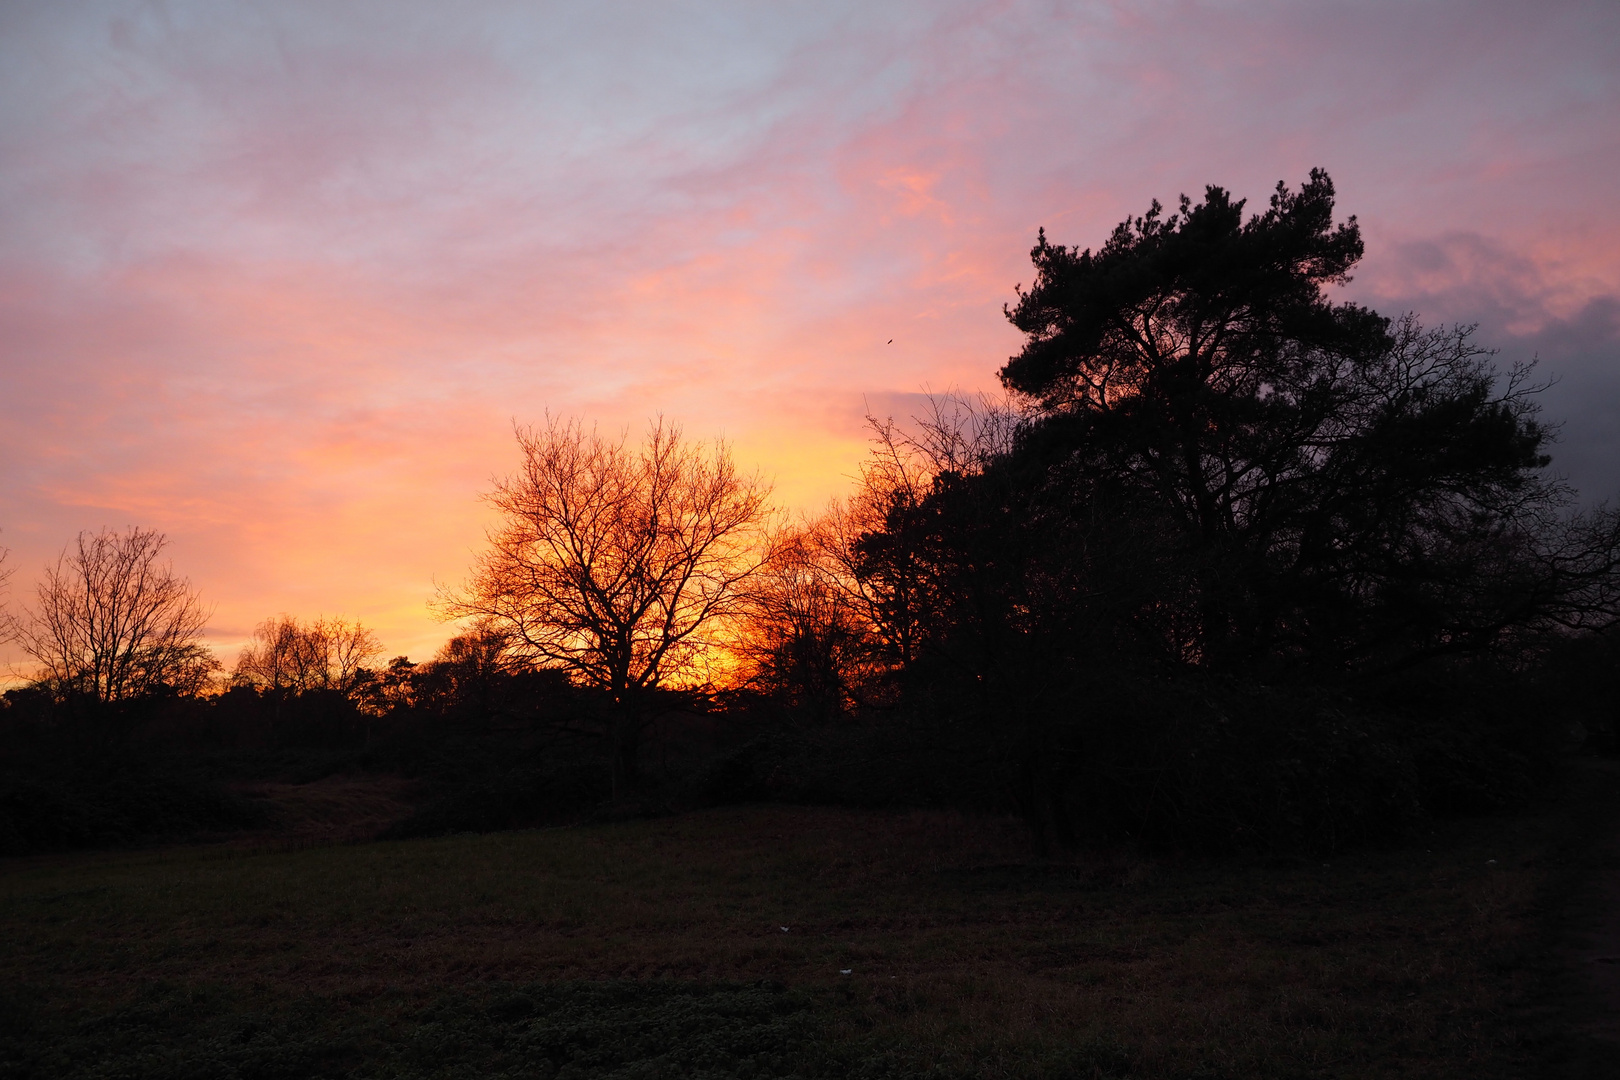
[[625, 729]]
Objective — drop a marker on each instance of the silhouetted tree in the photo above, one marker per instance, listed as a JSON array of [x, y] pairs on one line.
[[617, 564], [1212, 466], [111, 623], [1344, 491], [392, 688], [8, 624], [804, 641], [288, 656], [881, 547], [469, 669]]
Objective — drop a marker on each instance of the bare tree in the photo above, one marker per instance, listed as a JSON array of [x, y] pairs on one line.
[[350, 648], [468, 670], [617, 564], [275, 660], [804, 641], [868, 545], [288, 655], [8, 625], [111, 623]]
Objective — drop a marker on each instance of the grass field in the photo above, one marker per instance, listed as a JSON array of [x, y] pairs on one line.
[[776, 941]]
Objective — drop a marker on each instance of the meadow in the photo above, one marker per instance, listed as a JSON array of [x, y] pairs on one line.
[[776, 940]]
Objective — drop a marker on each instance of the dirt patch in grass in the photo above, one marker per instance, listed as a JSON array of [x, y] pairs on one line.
[[914, 941]]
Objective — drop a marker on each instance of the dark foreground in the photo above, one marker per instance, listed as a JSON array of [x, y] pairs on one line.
[[775, 941]]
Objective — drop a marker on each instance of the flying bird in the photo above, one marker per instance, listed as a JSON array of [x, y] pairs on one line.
[[889, 342]]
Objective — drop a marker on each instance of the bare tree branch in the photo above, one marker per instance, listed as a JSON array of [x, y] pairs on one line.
[[8, 622], [287, 655], [112, 623], [617, 564]]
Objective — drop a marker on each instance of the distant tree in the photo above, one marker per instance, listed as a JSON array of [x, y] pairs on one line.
[[289, 656], [617, 564], [273, 662], [482, 652], [856, 584], [468, 671], [391, 689], [111, 623], [870, 541], [8, 625], [804, 640], [883, 546]]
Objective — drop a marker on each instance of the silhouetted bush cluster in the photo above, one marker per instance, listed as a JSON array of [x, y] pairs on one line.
[[1174, 760], [514, 750], [78, 775], [42, 813], [1154, 754]]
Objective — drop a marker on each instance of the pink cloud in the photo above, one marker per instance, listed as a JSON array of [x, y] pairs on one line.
[[277, 283]]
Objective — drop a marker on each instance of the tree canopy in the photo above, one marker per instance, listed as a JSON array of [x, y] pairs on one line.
[[614, 563], [110, 622], [289, 656], [1340, 487]]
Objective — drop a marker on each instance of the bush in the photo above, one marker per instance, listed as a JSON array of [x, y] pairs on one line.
[[1240, 767], [39, 814], [547, 792], [880, 761], [1171, 760]]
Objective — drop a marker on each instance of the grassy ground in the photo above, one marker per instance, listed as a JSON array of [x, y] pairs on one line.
[[775, 941]]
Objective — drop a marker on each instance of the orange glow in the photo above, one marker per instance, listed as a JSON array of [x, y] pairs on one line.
[[290, 319]]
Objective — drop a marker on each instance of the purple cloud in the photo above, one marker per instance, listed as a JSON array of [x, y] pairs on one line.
[[276, 280]]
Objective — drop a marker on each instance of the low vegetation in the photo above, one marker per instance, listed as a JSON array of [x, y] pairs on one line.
[[782, 941]]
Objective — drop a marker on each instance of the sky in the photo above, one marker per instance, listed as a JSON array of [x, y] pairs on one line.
[[277, 279]]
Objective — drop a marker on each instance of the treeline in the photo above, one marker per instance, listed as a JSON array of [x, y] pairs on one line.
[[1231, 565], [486, 746]]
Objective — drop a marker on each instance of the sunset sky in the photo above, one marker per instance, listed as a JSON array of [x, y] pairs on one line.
[[276, 279]]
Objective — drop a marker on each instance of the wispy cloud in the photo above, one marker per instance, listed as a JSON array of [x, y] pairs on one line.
[[277, 279]]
